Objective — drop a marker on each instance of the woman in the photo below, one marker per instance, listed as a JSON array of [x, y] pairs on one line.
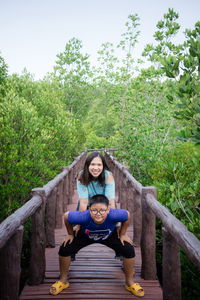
[[95, 178]]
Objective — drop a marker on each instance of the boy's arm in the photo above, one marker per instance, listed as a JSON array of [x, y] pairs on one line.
[[122, 233], [69, 228]]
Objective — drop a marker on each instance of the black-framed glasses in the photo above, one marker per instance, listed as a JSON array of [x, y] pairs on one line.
[[96, 211]]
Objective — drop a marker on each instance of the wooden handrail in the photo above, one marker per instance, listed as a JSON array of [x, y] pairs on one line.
[[184, 238], [136, 184], [9, 226], [11, 223], [102, 149]]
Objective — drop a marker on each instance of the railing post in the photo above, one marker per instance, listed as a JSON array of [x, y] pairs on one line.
[[171, 268], [10, 266], [130, 200], [59, 205], [123, 192], [51, 218], [65, 190], [71, 186], [137, 218], [148, 238], [38, 242], [117, 179]]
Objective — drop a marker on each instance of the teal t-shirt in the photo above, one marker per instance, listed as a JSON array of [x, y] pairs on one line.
[[94, 188]]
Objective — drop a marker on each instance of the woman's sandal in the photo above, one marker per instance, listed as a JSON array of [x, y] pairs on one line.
[[135, 289], [58, 286]]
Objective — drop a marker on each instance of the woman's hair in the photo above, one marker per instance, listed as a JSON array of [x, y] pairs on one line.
[[85, 177], [99, 198]]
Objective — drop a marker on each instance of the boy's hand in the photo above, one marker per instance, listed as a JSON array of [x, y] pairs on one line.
[[125, 238], [69, 238]]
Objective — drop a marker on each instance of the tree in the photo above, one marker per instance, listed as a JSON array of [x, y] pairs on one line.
[[180, 63], [72, 70], [3, 75]]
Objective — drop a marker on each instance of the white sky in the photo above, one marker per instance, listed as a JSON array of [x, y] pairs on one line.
[[33, 32]]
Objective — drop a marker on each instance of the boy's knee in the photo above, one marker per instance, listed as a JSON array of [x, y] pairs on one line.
[[64, 250], [129, 251]]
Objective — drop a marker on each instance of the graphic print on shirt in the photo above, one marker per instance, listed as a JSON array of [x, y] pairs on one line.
[[98, 234]]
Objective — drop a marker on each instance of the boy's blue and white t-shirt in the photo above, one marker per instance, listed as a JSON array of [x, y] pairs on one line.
[[94, 187], [97, 232]]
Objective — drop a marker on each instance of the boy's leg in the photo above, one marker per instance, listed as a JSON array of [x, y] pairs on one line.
[[65, 252], [131, 286], [128, 252], [129, 270], [64, 262]]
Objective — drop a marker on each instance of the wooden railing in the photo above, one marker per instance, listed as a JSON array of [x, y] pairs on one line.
[[142, 203], [46, 209], [47, 206]]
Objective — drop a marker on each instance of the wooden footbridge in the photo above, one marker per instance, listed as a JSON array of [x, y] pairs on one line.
[[96, 273]]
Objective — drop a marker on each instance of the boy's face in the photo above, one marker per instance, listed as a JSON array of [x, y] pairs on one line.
[[99, 212]]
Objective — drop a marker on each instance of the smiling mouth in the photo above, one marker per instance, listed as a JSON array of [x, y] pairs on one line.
[[95, 173]]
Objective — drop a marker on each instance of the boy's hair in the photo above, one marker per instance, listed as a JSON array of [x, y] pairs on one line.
[[99, 198]]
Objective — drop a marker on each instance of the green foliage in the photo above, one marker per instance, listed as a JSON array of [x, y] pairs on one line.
[[177, 176], [3, 75], [189, 279], [38, 136], [147, 129]]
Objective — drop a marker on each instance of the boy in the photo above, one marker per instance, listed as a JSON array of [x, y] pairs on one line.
[[97, 226]]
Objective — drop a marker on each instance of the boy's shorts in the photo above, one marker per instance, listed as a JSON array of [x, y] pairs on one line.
[[113, 242]]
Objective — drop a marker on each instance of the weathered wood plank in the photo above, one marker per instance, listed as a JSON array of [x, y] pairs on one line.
[[10, 270], [38, 244], [171, 268], [148, 240], [50, 219], [9, 226], [135, 184]]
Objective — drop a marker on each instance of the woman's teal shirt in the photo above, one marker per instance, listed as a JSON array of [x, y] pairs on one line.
[[94, 188]]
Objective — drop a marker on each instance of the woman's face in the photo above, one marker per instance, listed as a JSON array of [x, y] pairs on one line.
[[96, 166]]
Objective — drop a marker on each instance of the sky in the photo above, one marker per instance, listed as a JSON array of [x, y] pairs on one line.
[[33, 32]]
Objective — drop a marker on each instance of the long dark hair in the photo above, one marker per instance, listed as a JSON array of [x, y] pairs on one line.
[[85, 177]]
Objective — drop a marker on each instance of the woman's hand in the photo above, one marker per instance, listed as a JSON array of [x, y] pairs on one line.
[[76, 229], [125, 238], [69, 238]]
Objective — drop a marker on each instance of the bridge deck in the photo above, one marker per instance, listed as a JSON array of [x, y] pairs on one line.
[[95, 274]]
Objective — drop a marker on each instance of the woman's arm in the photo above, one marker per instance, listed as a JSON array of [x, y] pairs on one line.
[[83, 204], [110, 190], [82, 195]]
